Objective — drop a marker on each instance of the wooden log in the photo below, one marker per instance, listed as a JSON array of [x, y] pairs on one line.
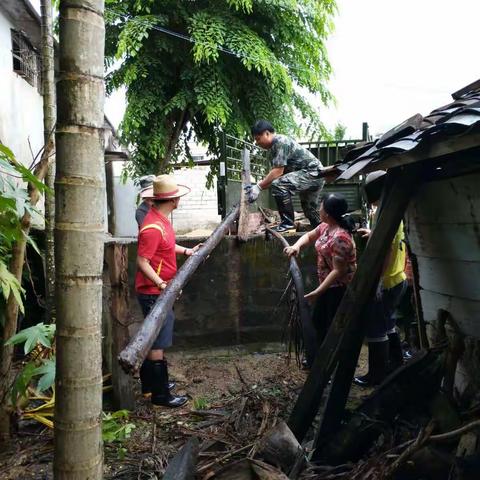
[[401, 185], [279, 447], [411, 386], [308, 330], [183, 464], [116, 257], [132, 356], [243, 217]]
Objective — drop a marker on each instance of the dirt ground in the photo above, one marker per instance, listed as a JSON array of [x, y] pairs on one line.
[[235, 395]]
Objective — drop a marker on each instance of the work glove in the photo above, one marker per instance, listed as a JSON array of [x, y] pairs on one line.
[[252, 191]]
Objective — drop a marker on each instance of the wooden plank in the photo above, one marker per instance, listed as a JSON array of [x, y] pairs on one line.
[[333, 413], [243, 217], [465, 312], [453, 241], [116, 257], [400, 186], [450, 201], [450, 277]]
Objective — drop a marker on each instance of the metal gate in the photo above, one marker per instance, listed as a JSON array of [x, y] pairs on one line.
[[230, 172]]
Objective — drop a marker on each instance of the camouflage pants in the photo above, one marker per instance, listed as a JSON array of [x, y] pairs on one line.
[[307, 185]]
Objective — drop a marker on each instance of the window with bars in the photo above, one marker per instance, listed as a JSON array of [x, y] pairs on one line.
[[26, 61]]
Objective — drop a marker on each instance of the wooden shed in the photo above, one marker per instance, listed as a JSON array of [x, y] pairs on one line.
[[433, 184], [443, 218]]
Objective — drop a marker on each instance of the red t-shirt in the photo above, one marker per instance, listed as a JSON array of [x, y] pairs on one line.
[[156, 242], [338, 243]]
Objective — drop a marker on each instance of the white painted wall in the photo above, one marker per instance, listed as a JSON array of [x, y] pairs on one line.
[[443, 225], [21, 113], [197, 210]]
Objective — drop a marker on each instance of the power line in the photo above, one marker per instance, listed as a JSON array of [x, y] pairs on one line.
[[192, 40]]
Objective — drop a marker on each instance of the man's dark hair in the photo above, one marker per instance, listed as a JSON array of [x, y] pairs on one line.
[[161, 201], [261, 126]]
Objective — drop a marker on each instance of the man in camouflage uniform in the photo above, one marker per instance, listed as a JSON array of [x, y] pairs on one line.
[[294, 169]]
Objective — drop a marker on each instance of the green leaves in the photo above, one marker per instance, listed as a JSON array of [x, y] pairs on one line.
[[133, 34], [202, 67], [14, 203], [115, 427], [9, 284], [38, 334], [47, 372]]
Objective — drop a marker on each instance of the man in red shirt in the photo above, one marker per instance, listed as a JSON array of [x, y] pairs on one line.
[[156, 266]]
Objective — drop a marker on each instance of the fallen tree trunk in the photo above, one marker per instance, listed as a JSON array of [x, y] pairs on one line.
[[132, 356], [308, 330]]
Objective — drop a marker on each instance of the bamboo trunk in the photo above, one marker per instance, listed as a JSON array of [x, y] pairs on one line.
[[48, 90], [135, 352], [79, 241]]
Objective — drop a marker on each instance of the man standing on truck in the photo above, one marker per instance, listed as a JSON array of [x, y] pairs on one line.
[[294, 169]]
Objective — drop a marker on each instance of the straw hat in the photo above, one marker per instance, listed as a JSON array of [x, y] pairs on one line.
[[165, 187]]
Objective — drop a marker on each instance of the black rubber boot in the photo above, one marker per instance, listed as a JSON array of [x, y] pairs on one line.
[[287, 215], [146, 378], [161, 395], [377, 365], [395, 351]]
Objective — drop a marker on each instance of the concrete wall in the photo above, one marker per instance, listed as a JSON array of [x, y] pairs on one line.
[[197, 210], [21, 114], [443, 225], [233, 297]]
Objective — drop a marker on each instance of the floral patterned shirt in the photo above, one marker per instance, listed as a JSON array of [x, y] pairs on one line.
[[336, 243]]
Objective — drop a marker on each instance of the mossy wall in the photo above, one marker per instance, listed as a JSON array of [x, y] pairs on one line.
[[233, 298]]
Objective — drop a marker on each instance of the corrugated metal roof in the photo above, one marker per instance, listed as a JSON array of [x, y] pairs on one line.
[[457, 118]]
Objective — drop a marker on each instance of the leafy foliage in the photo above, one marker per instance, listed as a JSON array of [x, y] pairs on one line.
[[40, 368], [202, 67], [14, 203], [33, 336]]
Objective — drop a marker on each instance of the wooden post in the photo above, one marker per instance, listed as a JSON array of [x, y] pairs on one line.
[[132, 356], [400, 186], [243, 218], [116, 257], [422, 329]]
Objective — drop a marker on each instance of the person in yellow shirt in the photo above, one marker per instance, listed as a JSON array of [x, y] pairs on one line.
[[384, 345]]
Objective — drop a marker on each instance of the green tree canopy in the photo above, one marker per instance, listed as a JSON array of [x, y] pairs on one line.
[[206, 66]]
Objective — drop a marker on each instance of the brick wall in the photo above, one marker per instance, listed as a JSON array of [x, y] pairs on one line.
[[198, 209]]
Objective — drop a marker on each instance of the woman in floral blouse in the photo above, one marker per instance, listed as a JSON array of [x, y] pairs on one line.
[[336, 260]]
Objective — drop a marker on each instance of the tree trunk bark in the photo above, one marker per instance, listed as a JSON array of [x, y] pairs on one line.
[[79, 241], [49, 114], [173, 140], [9, 329]]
